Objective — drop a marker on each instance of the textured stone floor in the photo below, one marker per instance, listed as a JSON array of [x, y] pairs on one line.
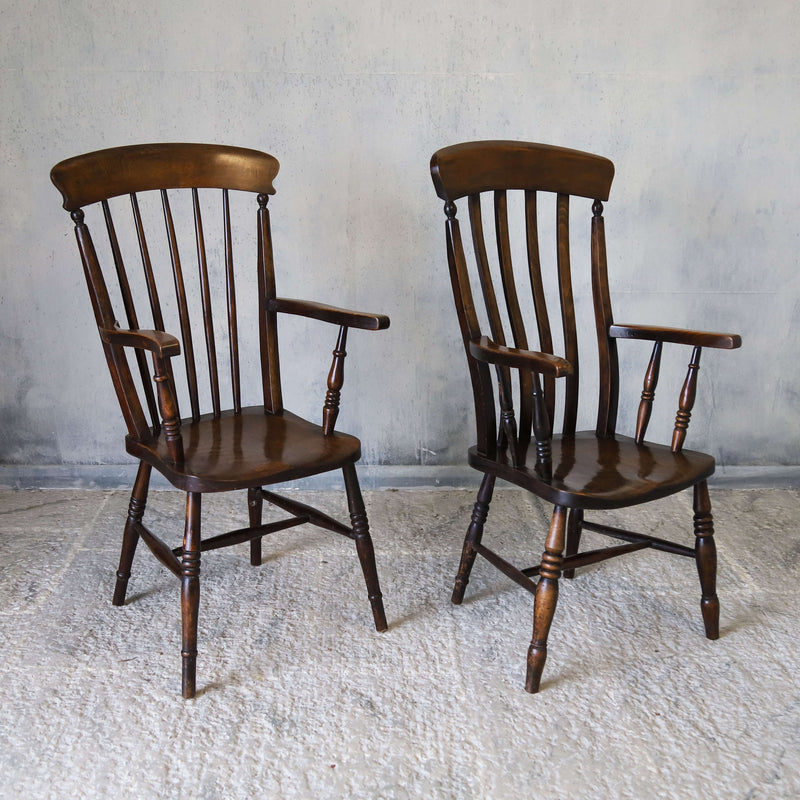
[[301, 698]]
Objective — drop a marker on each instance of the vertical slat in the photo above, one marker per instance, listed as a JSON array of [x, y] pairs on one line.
[[487, 287], [230, 286], [268, 327], [152, 290], [539, 302], [567, 313], [183, 310], [130, 313], [515, 319], [482, 390], [606, 346], [205, 292]]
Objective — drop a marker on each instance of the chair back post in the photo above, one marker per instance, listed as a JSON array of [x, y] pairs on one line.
[[480, 374], [268, 330], [608, 400]]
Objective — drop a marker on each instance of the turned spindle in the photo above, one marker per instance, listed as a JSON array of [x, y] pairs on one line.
[[686, 402], [648, 393], [168, 406], [335, 382], [541, 431]]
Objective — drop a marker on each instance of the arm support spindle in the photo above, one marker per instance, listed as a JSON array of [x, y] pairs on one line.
[[648, 393], [335, 382], [686, 402]]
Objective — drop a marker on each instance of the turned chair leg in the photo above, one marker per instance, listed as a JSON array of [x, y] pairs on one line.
[[574, 530], [130, 537], [546, 597], [706, 557], [366, 553], [190, 593], [255, 503], [473, 538]]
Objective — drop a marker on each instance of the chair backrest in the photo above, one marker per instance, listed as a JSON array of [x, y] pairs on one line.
[[496, 170], [153, 201]]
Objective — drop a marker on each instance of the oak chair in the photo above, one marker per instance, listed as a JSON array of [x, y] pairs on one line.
[[220, 444], [574, 470]]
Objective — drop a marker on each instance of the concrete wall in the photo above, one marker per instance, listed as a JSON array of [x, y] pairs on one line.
[[696, 103]]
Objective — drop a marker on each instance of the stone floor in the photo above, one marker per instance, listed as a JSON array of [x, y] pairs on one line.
[[299, 697]]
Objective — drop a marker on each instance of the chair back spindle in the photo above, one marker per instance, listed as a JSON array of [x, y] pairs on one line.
[[492, 172], [155, 179]]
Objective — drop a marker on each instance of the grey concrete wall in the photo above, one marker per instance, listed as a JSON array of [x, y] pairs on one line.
[[696, 103]]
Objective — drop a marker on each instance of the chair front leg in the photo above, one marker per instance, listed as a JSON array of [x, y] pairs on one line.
[[546, 597], [130, 537], [190, 592], [366, 553], [706, 557], [255, 504], [473, 538]]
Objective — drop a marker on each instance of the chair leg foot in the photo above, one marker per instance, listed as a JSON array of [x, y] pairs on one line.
[[364, 548], [190, 593], [546, 598], [130, 536], [255, 504], [473, 538], [706, 558]]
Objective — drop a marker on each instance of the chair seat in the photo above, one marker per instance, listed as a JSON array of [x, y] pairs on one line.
[[590, 471], [250, 449]]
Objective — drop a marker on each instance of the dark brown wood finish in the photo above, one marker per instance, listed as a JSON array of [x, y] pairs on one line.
[[214, 447], [574, 470]]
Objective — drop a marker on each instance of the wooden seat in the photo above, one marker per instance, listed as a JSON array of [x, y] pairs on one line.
[[515, 382], [156, 204]]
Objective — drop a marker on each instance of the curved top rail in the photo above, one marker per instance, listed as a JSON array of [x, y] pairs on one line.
[[92, 177], [473, 167]]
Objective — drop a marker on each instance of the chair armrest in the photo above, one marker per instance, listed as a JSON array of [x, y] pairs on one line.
[[163, 345], [654, 333], [337, 316], [484, 349]]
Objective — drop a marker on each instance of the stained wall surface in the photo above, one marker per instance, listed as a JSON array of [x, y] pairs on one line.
[[696, 103]]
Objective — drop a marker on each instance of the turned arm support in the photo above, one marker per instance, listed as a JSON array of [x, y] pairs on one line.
[[162, 346], [697, 340], [344, 319], [487, 351]]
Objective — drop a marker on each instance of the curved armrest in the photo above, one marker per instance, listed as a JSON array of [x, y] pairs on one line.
[[484, 349], [338, 316], [655, 333], [164, 345]]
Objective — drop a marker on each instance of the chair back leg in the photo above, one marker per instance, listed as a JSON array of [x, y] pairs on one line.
[[574, 530], [190, 592], [706, 557], [473, 537], [130, 536], [255, 504]]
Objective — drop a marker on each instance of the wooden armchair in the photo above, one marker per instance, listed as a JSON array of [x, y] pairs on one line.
[[213, 448], [574, 470]]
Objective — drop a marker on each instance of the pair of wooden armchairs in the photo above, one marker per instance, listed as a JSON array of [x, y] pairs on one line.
[[189, 422]]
